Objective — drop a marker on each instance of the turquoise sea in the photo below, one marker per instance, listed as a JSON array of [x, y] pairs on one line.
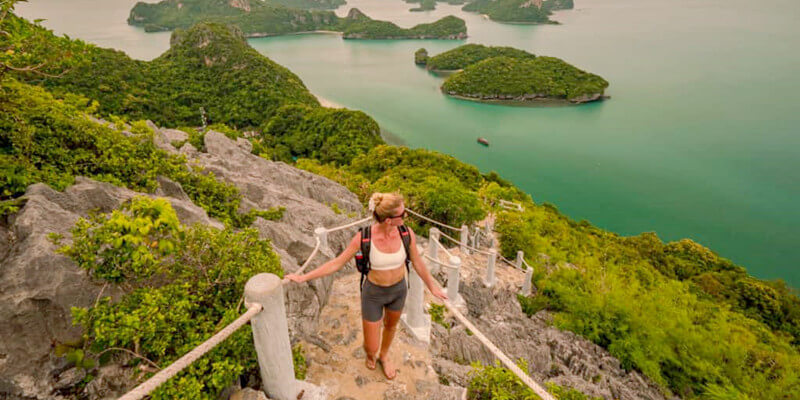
[[700, 138]]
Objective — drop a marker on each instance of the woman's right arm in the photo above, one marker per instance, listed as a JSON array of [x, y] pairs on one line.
[[332, 265]]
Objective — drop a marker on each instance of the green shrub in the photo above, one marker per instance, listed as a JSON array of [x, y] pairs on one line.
[[437, 315], [299, 361], [325, 134], [494, 382], [201, 278]]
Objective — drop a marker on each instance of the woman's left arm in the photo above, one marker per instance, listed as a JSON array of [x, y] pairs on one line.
[[422, 269]]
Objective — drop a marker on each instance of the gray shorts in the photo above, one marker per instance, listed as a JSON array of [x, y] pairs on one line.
[[374, 298]]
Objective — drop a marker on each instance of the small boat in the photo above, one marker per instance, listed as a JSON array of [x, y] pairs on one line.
[[483, 141]]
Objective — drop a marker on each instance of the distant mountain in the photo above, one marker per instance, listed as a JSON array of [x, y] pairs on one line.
[[279, 17]]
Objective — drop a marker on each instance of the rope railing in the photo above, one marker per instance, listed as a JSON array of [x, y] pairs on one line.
[[441, 246], [523, 376], [359, 222], [165, 374], [458, 242]]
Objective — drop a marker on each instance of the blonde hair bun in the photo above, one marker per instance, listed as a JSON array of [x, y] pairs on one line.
[[382, 204]]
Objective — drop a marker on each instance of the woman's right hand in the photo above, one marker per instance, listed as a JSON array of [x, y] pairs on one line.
[[295, 278]]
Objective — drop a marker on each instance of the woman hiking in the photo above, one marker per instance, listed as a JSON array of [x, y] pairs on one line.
[[384, 292]]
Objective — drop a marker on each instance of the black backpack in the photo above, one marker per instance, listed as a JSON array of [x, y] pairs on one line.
[[362, 256]]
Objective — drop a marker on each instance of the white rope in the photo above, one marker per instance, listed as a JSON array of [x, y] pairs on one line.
[[526, 263], [458, 242], [526, 379], [433, 221], [442, 263], [162, 376], [338, 228], [441, 246], [509, 262]]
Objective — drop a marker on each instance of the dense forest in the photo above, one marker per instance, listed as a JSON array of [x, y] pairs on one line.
[[692, 321], [288, 16]]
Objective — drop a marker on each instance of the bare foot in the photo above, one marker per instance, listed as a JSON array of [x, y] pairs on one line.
[[388, 368], [370, 362]]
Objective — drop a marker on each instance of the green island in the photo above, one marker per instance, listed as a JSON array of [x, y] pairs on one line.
[[519, 11], [424, 5], [449, 27], [509, 75], [468, 54], [259, 19], [697, 325]]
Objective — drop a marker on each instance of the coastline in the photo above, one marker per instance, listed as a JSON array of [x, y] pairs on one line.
[[327, 103], [262, 35], [534, 102]]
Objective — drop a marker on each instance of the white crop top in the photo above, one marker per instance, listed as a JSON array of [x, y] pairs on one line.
[[381, 261]]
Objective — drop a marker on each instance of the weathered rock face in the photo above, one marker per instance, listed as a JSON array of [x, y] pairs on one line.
[[266, 184], [553, 355], [38, 287]]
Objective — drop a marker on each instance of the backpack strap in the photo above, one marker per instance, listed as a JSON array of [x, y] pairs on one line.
[[366, 242], [405, 235]]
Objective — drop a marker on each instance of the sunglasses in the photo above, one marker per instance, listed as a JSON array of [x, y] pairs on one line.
[[402, 215]]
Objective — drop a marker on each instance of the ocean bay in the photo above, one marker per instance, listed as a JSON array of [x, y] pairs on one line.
[[698, 139]]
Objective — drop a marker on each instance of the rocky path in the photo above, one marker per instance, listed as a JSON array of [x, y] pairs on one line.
[[340, 368]]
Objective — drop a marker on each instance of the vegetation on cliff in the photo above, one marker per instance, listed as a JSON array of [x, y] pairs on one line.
[[203, 271], [468, 54], [50, 140], [209, 74], [329, 135], [518, 11], [716, 334], [506, 78]]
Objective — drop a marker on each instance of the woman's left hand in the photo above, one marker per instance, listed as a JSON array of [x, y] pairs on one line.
[[436, 292]]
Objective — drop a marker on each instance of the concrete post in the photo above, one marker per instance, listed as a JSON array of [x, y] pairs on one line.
[[491, 260], [271, 337], [453, 277], [518, 261], [464, 238], [526, 285], [322, 234], [433, 248], [414, 318]]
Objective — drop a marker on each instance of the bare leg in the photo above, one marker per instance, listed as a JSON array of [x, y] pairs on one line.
[[372, 334], [390, 320]]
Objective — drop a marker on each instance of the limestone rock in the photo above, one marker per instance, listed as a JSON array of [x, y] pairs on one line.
[[249, 394], [553, 355], [38, 286]]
